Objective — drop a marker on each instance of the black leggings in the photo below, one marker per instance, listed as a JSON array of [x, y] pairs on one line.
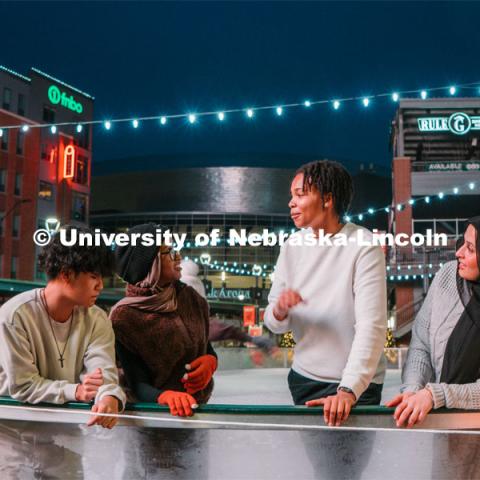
[[304, 389]]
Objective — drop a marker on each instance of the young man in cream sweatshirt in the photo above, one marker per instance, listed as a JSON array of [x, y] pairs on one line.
[[56, 345], [332, 297]]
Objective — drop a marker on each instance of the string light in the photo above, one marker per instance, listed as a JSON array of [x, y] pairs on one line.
[[192, 118], [53, 129], [1, 133], [365, 101], [399, 207], [135, 123], [25, 128], [79, 128], [221, 116], [108, 125]]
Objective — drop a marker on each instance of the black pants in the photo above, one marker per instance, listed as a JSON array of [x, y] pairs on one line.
[[304, 389]]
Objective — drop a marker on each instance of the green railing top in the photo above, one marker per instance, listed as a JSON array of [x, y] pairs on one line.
[[228, 409]]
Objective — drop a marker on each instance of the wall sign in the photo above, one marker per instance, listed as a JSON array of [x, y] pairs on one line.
[[69, 161], [458, 123], [57, 97]]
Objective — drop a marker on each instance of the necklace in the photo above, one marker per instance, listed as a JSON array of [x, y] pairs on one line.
[[60, 353]]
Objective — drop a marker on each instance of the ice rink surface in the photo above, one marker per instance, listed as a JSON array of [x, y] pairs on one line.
[[268, 386]]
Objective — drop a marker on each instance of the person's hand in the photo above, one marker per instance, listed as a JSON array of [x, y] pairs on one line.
[[287, 300], [413, 409], [107, 404], [87, 390], [200, 372], [336, 408], [399, 399], [179, 403]]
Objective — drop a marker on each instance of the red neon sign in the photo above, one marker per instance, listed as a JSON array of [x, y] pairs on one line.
[[69, 162]]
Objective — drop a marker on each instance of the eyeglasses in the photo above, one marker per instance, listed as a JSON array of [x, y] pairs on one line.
[[173, 253]]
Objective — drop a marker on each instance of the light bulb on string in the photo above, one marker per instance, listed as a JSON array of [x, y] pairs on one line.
[[135, 123], [452, 90], [395, 97], [307, 103], [108, 125], [25, 128], [79, 128], [455, 190], [163, 120], [423, 94], [249, 112], [53, 129], [441, 195], [471, 186], [336, 104], [192, 118], [279, 111], [221, 116], [366, 102], [427, 199]]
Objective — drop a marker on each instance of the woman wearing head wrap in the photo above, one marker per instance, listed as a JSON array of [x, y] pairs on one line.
[[161, 328], [443, 362]]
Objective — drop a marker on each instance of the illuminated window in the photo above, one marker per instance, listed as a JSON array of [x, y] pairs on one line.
[[21, 104], [20, 142], [48, 114], [16, 226], [79, 207], [81, 170], [4, 140], [18, 184], [3, 179], [13, 267], [45, 191], [7, 98]]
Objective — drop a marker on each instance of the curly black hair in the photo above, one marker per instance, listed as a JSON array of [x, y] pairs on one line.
[[56, 258], [329, 177]]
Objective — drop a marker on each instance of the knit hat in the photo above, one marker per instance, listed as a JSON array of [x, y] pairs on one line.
[[133, 263]]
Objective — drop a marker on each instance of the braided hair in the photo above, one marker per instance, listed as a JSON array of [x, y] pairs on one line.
[[329, 177]]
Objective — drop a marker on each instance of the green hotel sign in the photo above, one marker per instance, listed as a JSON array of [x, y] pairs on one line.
[[458, 123], [58, 97]]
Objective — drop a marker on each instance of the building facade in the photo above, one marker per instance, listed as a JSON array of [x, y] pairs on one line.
[[436, 179], [44, 172]]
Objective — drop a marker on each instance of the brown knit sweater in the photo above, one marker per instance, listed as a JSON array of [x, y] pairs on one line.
[[165, 342]]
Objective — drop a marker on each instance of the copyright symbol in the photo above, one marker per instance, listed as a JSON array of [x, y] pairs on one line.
[[41, 237]]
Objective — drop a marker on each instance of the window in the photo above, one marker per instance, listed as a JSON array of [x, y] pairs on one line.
[[3, 179], [7, 98], [20, 142], [81, 170], [21, 104], [45, 191], [18, 184], [16, 226], [4, 139], [13, 268], [48, 114], [79, 207]]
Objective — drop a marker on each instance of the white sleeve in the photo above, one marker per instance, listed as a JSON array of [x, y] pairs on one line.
[[370, 299], [279, 284], [24, 381], [101, 354]]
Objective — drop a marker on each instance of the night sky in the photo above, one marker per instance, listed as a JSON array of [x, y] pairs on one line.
[[159, 58]]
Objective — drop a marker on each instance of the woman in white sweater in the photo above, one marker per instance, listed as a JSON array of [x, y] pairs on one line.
[[332, 297], [443, 363]]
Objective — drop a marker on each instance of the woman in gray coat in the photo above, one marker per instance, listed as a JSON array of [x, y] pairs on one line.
[[443, 363]]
